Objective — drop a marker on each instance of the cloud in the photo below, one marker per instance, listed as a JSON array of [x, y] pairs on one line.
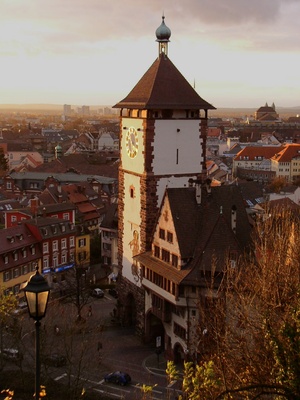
[[64, 26]]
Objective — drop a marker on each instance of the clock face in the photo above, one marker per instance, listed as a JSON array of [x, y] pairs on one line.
[[132, 142]]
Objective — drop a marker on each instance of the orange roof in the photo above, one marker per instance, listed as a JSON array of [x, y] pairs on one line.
[[289, 152], [266, 152]]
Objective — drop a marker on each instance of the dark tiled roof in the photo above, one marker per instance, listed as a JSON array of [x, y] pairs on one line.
[[110, 220], [15, 232], [204, 233], [252, 192], [163, 87]]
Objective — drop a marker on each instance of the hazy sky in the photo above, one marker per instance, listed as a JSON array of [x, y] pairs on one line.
[[240, 53]]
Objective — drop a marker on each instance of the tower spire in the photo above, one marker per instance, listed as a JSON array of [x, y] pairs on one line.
[[163, 34]]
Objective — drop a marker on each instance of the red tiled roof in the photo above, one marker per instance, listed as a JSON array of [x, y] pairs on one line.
[[251, 152], [85, 208], [287, 153]]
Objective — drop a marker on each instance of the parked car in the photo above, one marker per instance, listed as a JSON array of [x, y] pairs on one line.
[[113, 293], [98, 293], [121, 378], [54, 360], [11, 354]]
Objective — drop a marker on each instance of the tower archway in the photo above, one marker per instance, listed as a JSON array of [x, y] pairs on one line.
[[154, 329]]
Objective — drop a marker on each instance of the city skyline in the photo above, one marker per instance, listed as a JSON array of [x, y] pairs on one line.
[[235, 53]]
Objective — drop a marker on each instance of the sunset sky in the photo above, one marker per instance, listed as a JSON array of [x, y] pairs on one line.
[[239, 53]]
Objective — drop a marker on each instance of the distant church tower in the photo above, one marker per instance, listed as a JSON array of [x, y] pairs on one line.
[[58, 151], [163, 129]]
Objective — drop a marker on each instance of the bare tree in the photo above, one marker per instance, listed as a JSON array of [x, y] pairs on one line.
[[252, 333]]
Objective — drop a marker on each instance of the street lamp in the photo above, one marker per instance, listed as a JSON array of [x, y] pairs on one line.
[[37, 293]]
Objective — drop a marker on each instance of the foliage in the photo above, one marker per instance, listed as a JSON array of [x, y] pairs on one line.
[[277, 184], [200, 381], [172, 372], [147, 391]]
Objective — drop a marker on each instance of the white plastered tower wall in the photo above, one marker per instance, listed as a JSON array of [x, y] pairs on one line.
[[177, 158]]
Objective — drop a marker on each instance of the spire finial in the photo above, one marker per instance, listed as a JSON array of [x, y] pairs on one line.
[[163, 34]]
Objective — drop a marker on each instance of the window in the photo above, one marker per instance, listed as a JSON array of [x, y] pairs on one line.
[[174, 260], [16, 272], [33, 250], [6, 259], [13, 218], [169, 237], [65, 216], [162, 233], [156, 251], [72, 241], [55, 262], [64, 243], [45, 263], [8, 185], [6, 276], [82, 256], [179, 331], [82, 242], [15, 256], [165, 255], [55, 245], [25, 269], [45, 247], [64, 258]]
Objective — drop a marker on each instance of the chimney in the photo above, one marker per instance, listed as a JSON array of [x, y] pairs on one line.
[[233, 218], [33, 204]]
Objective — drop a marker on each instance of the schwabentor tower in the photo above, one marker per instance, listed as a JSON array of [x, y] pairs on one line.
[[163, 125]]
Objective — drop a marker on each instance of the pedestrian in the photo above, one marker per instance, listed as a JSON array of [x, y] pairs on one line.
[[90, 311]]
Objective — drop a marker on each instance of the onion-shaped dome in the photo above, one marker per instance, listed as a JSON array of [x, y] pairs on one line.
[[163, 33]]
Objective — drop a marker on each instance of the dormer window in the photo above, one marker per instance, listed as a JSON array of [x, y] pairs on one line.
[[11, 239]]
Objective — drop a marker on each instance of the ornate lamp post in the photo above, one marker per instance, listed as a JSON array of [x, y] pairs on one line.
[[37, 294]]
